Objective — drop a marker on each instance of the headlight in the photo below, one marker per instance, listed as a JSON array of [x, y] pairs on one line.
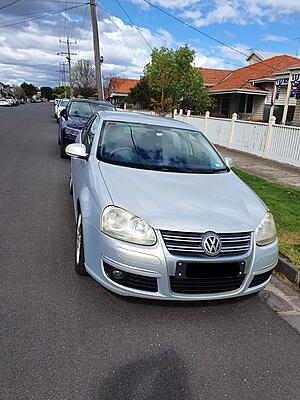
[[121, 224], [72, 131], [265, 233]]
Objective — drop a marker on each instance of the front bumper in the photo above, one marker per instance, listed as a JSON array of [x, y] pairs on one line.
[[156, 262]]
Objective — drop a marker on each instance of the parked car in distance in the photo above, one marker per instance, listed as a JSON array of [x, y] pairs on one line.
[[74, 117], [56, 105], [5, 103], [61, 106], [12, 101], [161, 215]]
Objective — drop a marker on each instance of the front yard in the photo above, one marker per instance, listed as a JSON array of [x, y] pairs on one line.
[[284, 203]]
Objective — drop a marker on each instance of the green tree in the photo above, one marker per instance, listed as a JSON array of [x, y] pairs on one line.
[[29, 89], [46, 91], [173, 82], [61, 92], [141, 94], [19, 93]]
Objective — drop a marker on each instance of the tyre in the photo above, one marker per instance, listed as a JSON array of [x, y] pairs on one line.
[[62, 150], [79, 248]]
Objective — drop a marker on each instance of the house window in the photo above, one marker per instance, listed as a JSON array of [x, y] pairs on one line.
[[249, 106]]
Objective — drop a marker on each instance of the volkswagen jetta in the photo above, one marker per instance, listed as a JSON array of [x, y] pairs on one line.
[[160, 214]]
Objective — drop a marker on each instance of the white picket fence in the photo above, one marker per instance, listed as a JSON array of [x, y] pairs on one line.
[[269, 140]]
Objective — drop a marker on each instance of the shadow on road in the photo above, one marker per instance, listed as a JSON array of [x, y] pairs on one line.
[[158, 377]]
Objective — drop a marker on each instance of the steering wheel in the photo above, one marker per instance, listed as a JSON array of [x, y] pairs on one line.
[[125, 148]]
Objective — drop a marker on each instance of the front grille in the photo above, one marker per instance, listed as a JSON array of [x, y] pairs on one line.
[[134, 281], [260, 278], [205, 285], [190, 244]]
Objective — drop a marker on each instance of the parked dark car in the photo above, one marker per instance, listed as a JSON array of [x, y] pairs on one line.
[[74, 117]]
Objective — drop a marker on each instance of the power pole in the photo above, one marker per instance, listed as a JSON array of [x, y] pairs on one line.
[[62, 77], [98, 58], [68, 57], [63, 71]]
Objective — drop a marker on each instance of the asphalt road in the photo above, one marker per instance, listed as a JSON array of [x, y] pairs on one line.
[[65, 337]]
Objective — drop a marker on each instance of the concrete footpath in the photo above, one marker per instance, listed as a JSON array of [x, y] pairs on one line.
[[271, 170]]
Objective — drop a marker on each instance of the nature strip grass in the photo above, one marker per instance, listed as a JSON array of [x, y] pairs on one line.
[[284, 203]]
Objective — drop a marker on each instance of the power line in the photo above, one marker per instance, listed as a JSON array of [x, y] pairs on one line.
[[133, 24], [156, 36], [109, 14], [201, 32], [10, 4], [39, 17]]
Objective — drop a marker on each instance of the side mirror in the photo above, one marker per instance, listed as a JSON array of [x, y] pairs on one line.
[[229, 162], [77, 150], [63, 113]]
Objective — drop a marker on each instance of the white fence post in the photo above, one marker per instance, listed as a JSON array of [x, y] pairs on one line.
[[188, 116], [205, 122], [175, 113], [180, 114], [233, 119], [269, 137]]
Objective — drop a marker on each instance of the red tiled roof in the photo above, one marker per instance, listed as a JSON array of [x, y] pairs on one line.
[[122, 85], [212, 76], [240, 78]]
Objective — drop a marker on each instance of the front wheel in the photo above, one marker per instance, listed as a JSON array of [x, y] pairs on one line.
[[79, 248], [62, 150]]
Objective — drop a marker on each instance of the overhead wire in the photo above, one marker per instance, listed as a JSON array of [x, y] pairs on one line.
[[135, 26], [109, 14], [10, 4], [201, 32], [39, 17]]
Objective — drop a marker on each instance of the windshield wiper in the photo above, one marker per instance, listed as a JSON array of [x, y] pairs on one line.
[[216, 170]]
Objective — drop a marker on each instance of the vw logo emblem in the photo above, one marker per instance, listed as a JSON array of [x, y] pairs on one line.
[[211, 244]]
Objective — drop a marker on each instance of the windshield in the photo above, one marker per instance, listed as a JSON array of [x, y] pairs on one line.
[[86, 109], [63, 103], [157, 148]]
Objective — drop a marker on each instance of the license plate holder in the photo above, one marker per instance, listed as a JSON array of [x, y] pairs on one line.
[[190, 270]]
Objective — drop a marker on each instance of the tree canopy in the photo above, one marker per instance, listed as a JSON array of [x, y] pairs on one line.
[[47, 92], [29, 89], [84, 79], [170, 81]]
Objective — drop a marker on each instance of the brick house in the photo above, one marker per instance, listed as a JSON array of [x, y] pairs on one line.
[[257, 90], [119, 89]]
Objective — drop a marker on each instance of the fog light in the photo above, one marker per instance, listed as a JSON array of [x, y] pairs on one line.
[[118, 275]]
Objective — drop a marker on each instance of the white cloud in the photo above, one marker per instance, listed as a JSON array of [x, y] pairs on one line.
[[191, 14], [179, 4], [222, 13], [275, 38]]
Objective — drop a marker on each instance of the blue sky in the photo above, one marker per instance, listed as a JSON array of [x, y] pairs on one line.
[[262, 25], [28, 51]]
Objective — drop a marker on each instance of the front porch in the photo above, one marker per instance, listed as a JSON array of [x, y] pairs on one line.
[[253, 106], [247, 105]]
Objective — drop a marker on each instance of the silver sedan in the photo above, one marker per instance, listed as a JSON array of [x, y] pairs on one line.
[[160, 214]]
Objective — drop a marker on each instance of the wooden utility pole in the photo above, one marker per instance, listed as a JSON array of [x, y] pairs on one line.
[[98, 58], [68, 57], [64, 80]]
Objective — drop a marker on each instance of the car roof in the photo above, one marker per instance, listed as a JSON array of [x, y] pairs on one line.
[[136, 117], [92, 101]]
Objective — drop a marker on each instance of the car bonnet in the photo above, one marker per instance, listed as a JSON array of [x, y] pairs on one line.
[[185, 202]]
